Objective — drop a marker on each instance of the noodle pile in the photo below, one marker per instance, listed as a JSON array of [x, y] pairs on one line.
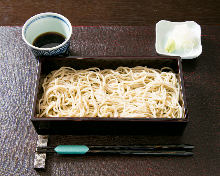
[[124, 92]]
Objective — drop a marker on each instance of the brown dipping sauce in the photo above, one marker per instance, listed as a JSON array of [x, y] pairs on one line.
[[49, 40]]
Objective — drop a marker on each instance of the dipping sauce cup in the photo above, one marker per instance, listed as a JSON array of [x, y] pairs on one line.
[[47, 34]]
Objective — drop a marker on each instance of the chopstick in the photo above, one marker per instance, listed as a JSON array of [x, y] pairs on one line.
[[152, 150]]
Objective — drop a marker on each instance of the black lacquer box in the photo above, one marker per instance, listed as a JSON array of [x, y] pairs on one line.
[[114, 125]]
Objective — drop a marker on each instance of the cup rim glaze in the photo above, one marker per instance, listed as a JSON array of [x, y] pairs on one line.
[[33, 18]]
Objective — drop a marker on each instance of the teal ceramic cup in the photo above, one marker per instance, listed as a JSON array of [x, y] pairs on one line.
[[47, 23]]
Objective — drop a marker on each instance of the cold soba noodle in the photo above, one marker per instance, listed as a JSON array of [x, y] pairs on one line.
[[124, 92]]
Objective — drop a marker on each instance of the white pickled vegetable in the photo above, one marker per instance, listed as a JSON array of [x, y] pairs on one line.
[[181, 39]]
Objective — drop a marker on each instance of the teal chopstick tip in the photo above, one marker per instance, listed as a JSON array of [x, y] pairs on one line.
[[71, 149]]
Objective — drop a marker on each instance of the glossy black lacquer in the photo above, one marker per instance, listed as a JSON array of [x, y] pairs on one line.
[[102, 125], [149, 150]]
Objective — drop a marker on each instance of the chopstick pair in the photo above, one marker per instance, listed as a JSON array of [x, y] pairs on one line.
[[151, 150]]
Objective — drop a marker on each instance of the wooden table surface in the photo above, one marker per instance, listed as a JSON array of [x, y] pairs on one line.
[[132, 34], [113, 12]]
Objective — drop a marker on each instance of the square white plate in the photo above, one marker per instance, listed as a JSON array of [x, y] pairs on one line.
[[164, 30]]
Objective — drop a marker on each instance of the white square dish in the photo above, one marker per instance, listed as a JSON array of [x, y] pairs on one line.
[[165, 31]]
